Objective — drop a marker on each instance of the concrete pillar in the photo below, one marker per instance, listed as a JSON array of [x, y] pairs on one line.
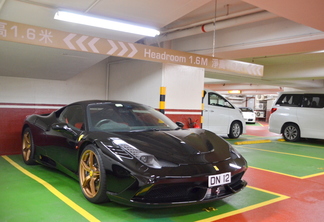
[[183, 86], [141, 81]]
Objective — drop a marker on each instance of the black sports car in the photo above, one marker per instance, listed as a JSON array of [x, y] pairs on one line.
[[132, 154]]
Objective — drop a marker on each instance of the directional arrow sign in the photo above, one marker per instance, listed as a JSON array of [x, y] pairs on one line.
[[114, 47], [80, 42], [68, 39], [124, 49], [134, 50], [92, 44]]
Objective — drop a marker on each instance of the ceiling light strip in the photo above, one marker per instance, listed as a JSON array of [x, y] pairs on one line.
[[104, 23]]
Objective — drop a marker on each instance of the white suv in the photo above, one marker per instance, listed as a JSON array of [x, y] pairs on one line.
[[298, 115], [221, 117]]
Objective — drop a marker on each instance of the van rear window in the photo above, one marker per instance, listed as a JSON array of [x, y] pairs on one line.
[[301, 100], [294, 100], [313, 100]]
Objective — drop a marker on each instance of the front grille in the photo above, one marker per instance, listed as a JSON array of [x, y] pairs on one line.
[[166, 193]]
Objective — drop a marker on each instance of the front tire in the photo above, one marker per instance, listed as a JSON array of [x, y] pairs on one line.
[[235, 130], [28, 149], [291, 132], [92, 175]]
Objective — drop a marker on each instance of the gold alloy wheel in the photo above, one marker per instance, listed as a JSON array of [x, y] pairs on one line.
[[89, 174], [26, 145]]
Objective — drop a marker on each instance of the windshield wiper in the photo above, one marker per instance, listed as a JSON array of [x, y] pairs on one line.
[[144, 130]]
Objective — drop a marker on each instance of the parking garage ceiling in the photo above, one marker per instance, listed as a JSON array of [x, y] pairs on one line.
[[270, 33]]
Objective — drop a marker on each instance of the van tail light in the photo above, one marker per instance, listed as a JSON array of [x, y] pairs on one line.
[[273, 110]]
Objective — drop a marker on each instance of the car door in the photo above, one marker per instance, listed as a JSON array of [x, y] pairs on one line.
[[311, 116], [216, 113], [64, 135]]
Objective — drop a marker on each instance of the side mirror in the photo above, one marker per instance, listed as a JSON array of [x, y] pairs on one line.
[[64, 127], [60, 126], [180, 124]]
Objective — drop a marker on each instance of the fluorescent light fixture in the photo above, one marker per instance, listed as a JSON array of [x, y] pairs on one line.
[[103, 23], [234, 91], [321, 51]]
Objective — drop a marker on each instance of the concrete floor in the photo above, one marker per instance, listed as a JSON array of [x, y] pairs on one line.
[[286, 183]]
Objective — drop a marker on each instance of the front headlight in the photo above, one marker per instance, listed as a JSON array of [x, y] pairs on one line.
[[234, 153], [145, 158]]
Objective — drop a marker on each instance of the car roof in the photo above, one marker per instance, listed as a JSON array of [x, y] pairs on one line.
[[315, 91], [87, 102]]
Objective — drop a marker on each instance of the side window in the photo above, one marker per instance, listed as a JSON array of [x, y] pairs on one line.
[[290, 100], [313, 100], [73, 116], [217, 100]]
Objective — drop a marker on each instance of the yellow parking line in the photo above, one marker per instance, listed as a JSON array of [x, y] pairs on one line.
[[300, 144], [291, 154], [252, 142], [284, 174], [271, 171], [53, 190], [245, 209], [312, 175]]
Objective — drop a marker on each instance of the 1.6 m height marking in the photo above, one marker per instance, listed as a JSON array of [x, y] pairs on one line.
[[197, 60]]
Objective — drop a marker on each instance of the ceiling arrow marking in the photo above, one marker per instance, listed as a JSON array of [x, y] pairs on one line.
[[68, 39], [134, 50], [92, 44], [254, 71], [80, 42], [114, 47], [260, 70], [248, 69], [124, 49]]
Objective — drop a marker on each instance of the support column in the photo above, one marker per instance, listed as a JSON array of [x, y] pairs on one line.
[[184, 86], [175, 90]]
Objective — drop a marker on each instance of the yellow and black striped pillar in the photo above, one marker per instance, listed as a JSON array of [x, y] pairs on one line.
[[202, 109], [162, 99]]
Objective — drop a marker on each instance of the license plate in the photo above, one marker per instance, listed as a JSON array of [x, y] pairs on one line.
[[219, 179]]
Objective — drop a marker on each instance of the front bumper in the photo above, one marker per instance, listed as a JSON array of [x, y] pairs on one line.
[[181, 192]]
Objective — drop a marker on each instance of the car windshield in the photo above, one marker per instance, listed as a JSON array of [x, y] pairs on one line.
[[246, 109], [121, 117]]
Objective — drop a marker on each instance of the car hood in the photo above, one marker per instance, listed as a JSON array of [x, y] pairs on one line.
[[192, 146]]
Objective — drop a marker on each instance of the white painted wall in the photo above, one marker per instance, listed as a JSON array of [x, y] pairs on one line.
[[184, 86], [135, 80], [89, 84]]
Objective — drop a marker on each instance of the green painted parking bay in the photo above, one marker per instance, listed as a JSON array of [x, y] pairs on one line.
[[295, 159], [48, 195]]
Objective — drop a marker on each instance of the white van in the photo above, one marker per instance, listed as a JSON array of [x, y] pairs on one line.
[[221, 117], [298, 115]]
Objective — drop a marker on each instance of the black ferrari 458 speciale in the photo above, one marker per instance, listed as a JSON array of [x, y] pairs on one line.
[[132, 154]]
